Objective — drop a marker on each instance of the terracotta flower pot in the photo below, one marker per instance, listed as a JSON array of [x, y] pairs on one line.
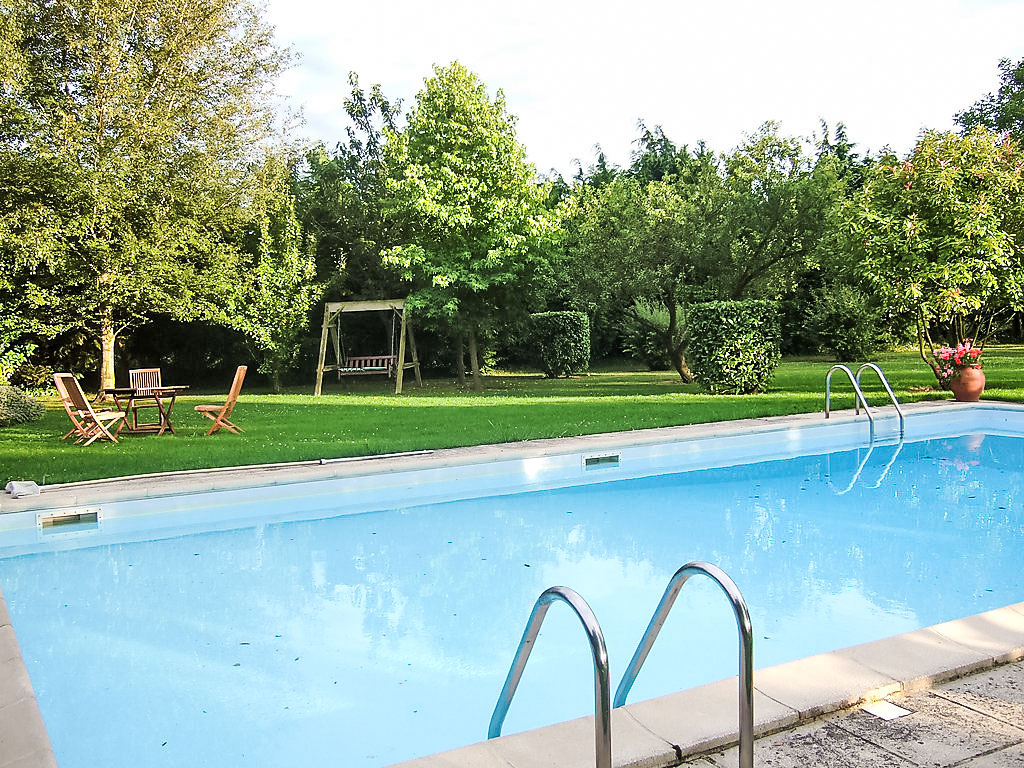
[[968, 385]]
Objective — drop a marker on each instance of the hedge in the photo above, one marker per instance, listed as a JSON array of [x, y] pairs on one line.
[[562, 341], [734, 345]]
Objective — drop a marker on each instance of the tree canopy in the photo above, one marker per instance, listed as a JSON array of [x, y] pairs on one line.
[[129, 129], [941, 232], [1002, 111], [471, 209]]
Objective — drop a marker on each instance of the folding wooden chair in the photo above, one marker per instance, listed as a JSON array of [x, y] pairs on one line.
[[145, 381], [89, 425], [220, 413]]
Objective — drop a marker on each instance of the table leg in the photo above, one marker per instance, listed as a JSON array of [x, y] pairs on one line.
[[163, 415], [166, 420]]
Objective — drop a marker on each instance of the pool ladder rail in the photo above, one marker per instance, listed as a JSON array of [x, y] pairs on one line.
[[859, 399], [602, 701]]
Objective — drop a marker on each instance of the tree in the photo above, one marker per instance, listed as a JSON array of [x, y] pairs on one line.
[[941, 233], [779, 203], [639, 244], [1002, 111], [477, 227], [277, 287], [124, 154], [341, 198]]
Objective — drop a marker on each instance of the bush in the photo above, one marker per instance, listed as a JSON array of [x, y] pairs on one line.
[[33, 377], [562, 341], [17, 408], [845, 323], [643, 336], [734, 345]]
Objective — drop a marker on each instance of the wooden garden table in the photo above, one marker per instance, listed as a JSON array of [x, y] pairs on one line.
[[163, 397]]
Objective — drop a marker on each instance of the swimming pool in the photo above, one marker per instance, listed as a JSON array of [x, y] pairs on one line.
[[385, 632]]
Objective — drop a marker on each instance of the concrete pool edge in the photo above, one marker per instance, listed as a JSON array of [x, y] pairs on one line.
[[660, 732], [184, 483], [646, 733], [24, 742]]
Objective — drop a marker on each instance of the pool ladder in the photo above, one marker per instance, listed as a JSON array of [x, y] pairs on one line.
[[602, 700], [859, 393]]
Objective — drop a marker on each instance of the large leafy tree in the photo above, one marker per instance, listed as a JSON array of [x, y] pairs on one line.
[[476, 226], [276, 287], [639, 245], [779, 204], [1002, 111], [127, 138], [341, 197], [941, 233]]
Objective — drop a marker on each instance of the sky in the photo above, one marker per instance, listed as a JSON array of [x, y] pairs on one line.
[[581, 74]]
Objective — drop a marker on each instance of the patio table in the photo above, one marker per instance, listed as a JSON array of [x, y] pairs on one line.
[[163, 397]]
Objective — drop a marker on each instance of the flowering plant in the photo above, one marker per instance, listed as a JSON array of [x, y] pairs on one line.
[[949, 361]]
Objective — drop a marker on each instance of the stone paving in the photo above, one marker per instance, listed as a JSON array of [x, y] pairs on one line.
[[974, 722]]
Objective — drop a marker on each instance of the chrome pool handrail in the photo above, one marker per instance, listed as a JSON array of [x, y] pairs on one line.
[[746, 654], [858, 399], [888, 389], [602, 688]]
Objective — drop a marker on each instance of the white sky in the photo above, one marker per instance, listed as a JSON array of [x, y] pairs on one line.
[[583, 73]]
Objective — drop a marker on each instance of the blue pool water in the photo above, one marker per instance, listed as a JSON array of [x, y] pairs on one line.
[[365, 639]]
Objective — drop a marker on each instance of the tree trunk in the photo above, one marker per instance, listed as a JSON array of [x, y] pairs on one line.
[[107, 339], [679, 363], [474, 361], [676, 353], [460, 359]]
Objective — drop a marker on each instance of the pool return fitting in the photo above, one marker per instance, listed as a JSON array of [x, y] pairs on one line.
[[602, 701]]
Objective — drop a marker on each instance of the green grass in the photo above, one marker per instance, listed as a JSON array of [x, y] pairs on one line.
[[367, 419]]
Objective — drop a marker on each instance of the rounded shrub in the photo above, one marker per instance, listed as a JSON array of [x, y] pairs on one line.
[[562, 342], [17, 408], [734, 345], [845, 323]]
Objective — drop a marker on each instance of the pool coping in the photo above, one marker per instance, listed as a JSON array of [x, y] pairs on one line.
[[163, 484], [656, 733]]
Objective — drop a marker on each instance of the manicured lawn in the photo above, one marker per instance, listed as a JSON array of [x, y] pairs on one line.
[[367, 419]]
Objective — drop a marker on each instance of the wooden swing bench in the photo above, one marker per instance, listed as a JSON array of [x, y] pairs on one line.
[[367, 364], [393, 365]]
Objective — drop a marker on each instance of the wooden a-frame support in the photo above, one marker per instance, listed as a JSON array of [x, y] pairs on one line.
[[332, 312]]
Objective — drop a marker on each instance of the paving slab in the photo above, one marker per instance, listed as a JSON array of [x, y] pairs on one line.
[[1011, 757], [919, 659], [706, 717], [936, 733], [20, 728], [820, 684], [571, 745], [998, 633], [998, 693], [818, 745]]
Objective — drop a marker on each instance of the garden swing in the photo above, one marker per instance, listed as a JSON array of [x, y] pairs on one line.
[[391, 365]]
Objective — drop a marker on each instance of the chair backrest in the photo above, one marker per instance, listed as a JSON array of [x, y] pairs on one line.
[[144, 380], [71, 393], [60, 381], [236, 387]]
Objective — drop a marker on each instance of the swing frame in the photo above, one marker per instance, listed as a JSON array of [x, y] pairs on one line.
[[355, 365]]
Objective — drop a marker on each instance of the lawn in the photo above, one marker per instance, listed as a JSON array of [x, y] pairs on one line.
[[367, 419]]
